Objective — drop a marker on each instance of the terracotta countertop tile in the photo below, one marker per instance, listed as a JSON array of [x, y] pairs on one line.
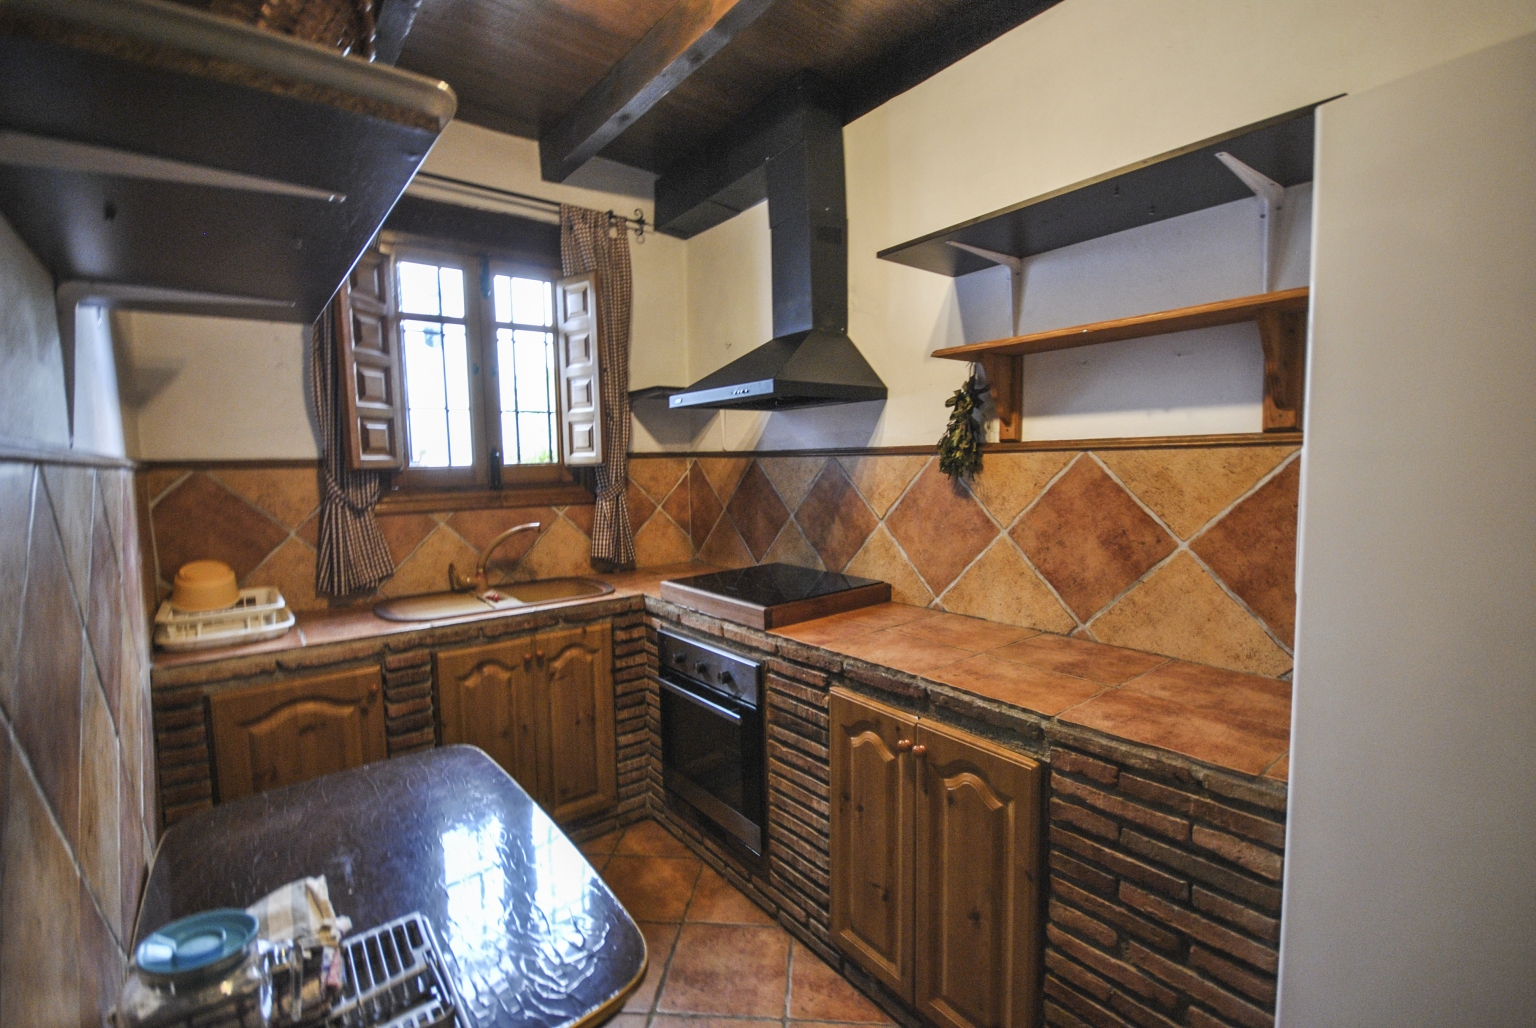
[[1220, 739], [1044, 692], [966, 632], [900, 651], [1107, 665]]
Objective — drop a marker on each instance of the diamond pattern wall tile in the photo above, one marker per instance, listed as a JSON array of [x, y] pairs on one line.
[[677, 505], [16, 514], [72, 489], [834, 518], [402, 532], [703, 506], [1181, 611], [291, 571], [479, 528], [881, 478], [1188, 487], [658, 476], [103, 607], [202, 520], [156, 482], [882, 559], [96, 849], [640, 505], [725, 548], [582, 515], [757, 511], [46, 704], [792, 477], [560, 552], [426, 569], [1253, 550], [1089, 538], [1001, 587], [288, 494], [1009, 482], [941, 527], [792, 547], [724, 473], [660, 542]]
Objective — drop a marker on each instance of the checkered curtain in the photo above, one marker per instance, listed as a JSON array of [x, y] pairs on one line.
[[353, 555], [587, 244]]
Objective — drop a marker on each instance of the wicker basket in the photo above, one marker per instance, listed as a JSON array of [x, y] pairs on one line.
[[345, 25]]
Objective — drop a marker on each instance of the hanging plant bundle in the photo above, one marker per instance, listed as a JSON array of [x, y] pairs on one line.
[[960, 449]]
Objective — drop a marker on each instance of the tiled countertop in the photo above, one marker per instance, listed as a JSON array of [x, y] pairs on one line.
[[1230, 720]]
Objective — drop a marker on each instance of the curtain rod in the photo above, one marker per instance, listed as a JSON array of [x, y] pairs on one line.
[[635, 224]]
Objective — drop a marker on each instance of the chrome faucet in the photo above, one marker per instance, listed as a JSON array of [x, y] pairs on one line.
[[480, 583]]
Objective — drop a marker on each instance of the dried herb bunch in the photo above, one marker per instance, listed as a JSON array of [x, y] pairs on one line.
[[960, 449]]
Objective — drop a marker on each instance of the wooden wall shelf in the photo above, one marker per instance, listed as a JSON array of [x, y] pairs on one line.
[[1282, 321]]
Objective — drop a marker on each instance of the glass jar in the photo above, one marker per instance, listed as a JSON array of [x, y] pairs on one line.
[[209, 968]]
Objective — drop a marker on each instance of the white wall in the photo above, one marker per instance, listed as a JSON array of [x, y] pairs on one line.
[[1087, 87], [1410, 880], [221, 388], [32, 408]]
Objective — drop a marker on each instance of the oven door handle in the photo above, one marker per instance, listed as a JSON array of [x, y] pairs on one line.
[[709, 705]]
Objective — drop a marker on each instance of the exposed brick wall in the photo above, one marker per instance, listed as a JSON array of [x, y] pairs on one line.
[[409, 721], [1164, 896]]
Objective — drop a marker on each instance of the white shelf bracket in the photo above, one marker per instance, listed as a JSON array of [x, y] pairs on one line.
[[1015, 266], [1271, 196]]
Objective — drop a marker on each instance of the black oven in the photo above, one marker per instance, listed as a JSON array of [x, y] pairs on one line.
[[712, 739]]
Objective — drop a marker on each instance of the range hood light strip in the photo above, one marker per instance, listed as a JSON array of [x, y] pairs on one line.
[[23, 150]]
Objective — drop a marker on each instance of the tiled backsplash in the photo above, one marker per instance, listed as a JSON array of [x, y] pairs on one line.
[[1185, 551], [77, 807]]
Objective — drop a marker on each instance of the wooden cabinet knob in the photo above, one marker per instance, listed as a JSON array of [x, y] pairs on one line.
[[904, 745], [527, 659], [539, 654], [919, 751]]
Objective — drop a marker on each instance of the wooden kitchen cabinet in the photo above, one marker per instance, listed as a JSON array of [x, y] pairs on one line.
[[936, 864], [872, 838], [542, 706], [280, 733]]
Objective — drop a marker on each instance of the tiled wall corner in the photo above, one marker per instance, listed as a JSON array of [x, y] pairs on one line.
[[77, 812], [1183, 551]]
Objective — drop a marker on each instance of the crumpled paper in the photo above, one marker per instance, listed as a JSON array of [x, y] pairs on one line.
[[300, 912]]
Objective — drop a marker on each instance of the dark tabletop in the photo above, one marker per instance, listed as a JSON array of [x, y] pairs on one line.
[[535, 937]]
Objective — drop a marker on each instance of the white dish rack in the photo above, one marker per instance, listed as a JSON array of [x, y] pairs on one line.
[[258, 614]]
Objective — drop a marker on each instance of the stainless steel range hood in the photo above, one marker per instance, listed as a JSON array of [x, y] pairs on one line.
[[810, 361], [158, 157]]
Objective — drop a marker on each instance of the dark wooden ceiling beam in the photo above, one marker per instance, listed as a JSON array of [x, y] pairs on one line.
[[689, 34]]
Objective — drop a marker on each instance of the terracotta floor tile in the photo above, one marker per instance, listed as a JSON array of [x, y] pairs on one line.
[[603, 845], [652, 888], [1265, 701], [650, 839], [966, 632], [902, 652], [626, 1021], [666, 1021], [1045, 692], [1281, 770], [1219, 739], [818, 993], [888, 615], [716, 901], [727, 969], [825, 631], [658, 945], [1081, 658]]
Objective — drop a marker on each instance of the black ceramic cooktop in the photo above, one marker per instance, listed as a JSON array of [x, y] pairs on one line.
[[768, 585]]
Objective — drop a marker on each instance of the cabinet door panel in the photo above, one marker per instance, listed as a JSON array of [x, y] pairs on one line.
[[578, 693], [872, 820], [281, 733], [488, 699], [978, 872]]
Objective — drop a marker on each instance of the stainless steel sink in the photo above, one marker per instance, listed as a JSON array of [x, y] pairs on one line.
[[515, 596]]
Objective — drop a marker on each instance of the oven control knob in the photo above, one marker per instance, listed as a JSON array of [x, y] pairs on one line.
[[678, 657], [703, 669], [728, 680]]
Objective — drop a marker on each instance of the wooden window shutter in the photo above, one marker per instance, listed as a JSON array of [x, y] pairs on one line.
[[370, 366], [581, 404]]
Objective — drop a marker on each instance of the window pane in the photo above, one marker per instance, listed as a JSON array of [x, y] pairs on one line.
[[509, 438], [460, 448], [423, 365], [429, 438], [453, 292], [532, 303], [501, 292], [534, 439], [418, 288], [534, 361], [506, 365], [456, 362]]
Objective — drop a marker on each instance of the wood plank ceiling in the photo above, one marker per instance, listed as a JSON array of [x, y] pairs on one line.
[[521, 66]]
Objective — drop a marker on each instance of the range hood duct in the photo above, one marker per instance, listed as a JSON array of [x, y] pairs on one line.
[[796, 159]]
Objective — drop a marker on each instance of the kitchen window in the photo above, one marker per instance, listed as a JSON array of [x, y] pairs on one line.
[[478, 362]]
